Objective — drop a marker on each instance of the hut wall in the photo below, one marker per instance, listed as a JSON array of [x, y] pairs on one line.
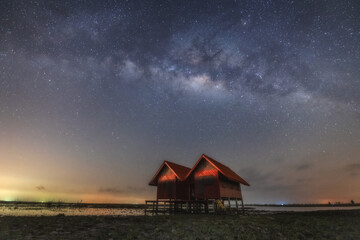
[[229, 189], [206, 181], [166, 188], [182, 190]]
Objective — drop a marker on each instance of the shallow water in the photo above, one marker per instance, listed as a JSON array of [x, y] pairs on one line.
[[33, 210], [303, 209], [11, 209]]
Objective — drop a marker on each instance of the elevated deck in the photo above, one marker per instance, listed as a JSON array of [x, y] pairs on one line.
[[209, 206]]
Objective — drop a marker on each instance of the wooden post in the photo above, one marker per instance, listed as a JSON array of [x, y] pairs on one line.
[[242, 204], [157, 207], [229, 204], [174, 206], [170, 206], [145, 207], [237, 205]]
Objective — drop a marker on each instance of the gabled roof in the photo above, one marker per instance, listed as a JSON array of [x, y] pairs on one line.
[[179, 171], [226, 171]]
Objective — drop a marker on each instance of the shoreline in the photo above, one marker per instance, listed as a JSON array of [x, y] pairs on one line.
[[53, 209]]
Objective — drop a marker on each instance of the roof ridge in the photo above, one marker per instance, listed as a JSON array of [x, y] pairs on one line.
[[176, 164], [180, 171], [229, 172]]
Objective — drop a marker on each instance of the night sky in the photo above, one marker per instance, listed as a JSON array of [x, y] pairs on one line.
[[94, 95]]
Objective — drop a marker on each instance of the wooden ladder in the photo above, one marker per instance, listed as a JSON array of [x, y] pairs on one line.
[[220, 204]]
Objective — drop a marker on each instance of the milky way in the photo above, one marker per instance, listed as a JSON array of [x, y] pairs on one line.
[[94, 95]]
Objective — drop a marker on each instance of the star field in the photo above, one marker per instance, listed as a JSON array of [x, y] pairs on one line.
[[95, 94]]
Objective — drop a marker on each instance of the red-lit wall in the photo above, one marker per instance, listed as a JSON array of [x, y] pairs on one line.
[[229, 189], [169, 187], [182, 190], [166, 188], [210, 184], [206, 181]]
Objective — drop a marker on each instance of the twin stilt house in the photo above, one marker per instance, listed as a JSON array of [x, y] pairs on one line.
[[170, 183], [208, 179]]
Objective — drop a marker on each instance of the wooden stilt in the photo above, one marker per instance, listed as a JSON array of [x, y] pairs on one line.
[[237, 205], [157, 207], [242, 204], [145, 207], [195, 206]]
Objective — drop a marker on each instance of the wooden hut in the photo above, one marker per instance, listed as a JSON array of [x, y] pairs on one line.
[[170, 183], [202, 188], [209, 179]]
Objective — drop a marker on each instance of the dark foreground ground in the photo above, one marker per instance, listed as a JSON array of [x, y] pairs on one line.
[[304, 225]]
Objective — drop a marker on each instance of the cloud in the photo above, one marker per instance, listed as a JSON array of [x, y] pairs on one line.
[[40, 188], [129, 71], [254, 176], [353, 166], [269, 181], [302, 167], [122, 191], [111, 190], [280, 178], [353, 169], [303, 180]]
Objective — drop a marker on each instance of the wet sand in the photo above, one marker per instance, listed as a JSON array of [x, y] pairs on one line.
[[292, 225]]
